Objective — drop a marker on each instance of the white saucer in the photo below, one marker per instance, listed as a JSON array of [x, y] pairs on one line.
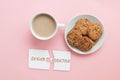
[[71, 25]]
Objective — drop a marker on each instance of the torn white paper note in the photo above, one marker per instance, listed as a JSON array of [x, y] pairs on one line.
[[37, 59], [61, 60]]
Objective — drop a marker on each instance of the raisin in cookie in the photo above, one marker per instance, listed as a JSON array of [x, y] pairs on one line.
[[95, 31], [74, 37], [85, 44], [82, 25]]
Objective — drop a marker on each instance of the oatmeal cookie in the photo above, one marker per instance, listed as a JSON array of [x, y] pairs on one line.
[[82, 26], [95, 31], [74, 37], [85, 44]]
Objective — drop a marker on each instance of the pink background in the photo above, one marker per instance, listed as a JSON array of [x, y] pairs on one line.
[[16, 39]]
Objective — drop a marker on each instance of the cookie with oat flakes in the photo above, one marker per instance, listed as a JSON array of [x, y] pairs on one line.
[[74, 37], [82, 25], [95, 31], [85, 44]]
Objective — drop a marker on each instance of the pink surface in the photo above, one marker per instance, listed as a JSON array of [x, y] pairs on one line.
[[16, 39]]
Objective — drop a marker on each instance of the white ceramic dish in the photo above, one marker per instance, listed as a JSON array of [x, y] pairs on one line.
[[71, 25]]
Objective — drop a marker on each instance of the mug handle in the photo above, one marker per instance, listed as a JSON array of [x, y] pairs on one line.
[[60, 25]]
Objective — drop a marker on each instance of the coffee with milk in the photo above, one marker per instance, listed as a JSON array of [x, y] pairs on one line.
[[43, 25]]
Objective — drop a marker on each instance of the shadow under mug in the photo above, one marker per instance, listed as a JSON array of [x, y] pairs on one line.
[[57, 25]]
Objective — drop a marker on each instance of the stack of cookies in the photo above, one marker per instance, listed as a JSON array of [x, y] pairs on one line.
[[84, 34]]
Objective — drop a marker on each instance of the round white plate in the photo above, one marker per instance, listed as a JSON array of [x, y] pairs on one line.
[[71, 25]]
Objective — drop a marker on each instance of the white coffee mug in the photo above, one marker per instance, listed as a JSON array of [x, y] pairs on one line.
[[43, 22]]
